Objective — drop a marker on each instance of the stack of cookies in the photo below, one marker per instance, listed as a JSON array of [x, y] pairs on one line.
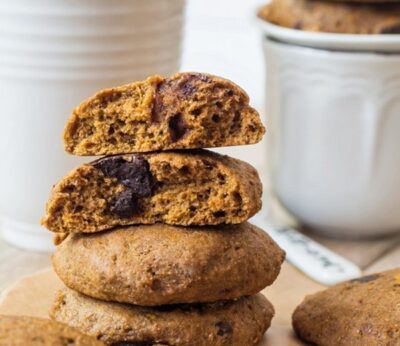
[[153, 243], [336, 16]]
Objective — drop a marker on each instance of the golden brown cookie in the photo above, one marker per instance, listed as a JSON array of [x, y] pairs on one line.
[[363, 311], [188, 110], [367, 1], [334, 17], [160, 264], [33, 331], [178, 188], [234, 323]]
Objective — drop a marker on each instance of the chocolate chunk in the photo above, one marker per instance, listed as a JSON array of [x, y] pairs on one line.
[[135, 175], [125, 204], [365, 279], [187, 86], [224, 328], [177, 127], [393, 29], [168, 95]]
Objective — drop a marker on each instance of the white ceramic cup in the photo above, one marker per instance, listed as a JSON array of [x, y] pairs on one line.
[[54, 53], [334, 136]]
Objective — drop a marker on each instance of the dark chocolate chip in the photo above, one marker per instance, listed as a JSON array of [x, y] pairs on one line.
[[109, 165], [187, 88], [177, 127], [135, 175], [393, 29], [224, 328], [365, 279], [125, 204], [168, 95]]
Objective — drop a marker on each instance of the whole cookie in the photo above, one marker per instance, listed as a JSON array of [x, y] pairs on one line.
[[367, 1], [234, 323], [179, 188], [187, 110], [363, 311], [160, 264], [33, 331], [334, 16]]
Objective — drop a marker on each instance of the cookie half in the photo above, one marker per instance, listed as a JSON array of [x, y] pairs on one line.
[[33, 331], [160, 264], [363, 311], [178, 188], [188, 110], [334, 16], [234, 323]]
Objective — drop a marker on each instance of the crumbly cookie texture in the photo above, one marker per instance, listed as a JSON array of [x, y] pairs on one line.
[[178, 188], [363, 311], [234, 323], [33, 331], [334, 16], [187, 110], [160, 264]]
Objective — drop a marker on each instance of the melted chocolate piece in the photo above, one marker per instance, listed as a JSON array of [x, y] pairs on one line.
[[177, 127], [224, 328], [135, 175], [365, 279], [125, 204], [167, 99]]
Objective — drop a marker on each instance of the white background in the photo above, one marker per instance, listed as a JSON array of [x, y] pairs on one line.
[[222, 38]]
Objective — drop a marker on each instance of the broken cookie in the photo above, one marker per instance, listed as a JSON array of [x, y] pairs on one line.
[[185, 111]]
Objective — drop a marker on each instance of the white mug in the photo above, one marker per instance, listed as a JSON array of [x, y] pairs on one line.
[[54, 53], [334, 143]]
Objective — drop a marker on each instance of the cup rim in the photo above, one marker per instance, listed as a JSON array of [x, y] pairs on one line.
[[388, 43]]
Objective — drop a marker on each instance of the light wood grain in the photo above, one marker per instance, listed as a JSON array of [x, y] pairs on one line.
[[16, 263], [34, 294]]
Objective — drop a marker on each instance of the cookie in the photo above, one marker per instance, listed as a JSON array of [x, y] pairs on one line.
[[234, 323], [33, 331], [160, 264], [334, 17], [363, 311], [367, 1], [187, 110], [177, 188]]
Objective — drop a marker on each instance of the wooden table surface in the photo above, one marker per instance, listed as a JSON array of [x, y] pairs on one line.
[[16, 263]]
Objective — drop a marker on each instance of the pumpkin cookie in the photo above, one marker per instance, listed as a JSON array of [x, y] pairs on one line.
[[188, 110], [177, 188], [33, 331], [363, 311], [233, 323], [334, 17], [160, 264]]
